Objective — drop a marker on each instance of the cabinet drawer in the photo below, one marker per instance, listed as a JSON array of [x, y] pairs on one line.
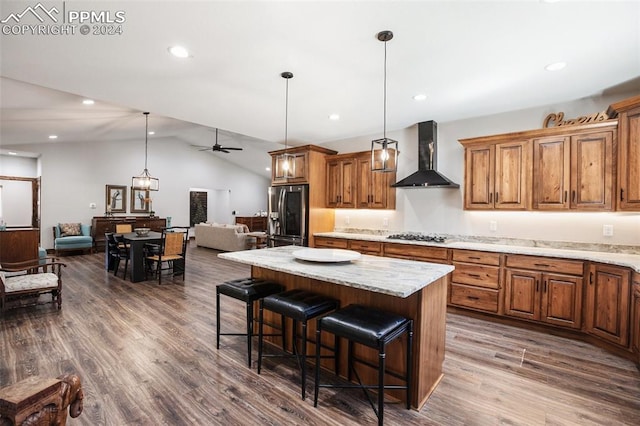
[[572, 267], [331, 242], [472, 256], [366, 247], [416, 252], [474, 297], [478, 275]]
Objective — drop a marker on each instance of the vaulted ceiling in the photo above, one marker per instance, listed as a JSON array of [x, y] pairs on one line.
[[468, 58]]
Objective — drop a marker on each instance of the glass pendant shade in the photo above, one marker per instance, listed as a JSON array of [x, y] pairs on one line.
[[384, 155], [287, 164], [144, 181]]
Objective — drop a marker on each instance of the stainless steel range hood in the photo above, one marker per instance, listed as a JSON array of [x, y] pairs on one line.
[[427, 176]]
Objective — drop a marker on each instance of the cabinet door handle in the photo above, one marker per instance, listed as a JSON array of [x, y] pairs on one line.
[[591, 278], [537, 285], [473, 298], [573, 195], [621, 194], [544, 288], [491, 198], [497, 197], [474, 276], [543, 265], [565, 196], [474, 257]]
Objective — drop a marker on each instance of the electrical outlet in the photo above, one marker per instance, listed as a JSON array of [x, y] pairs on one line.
[[385, 222], [493, 226], [347, 220], [607, 230], [92, 205]]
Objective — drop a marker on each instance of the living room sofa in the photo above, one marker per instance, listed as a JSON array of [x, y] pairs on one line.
[[223, 237], [72, 236]]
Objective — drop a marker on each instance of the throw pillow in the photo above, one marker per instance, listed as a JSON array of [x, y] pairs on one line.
[[70, 229]]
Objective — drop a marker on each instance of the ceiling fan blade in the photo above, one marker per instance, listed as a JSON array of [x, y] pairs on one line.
[[223, 150], [205, 149], [234, 149]]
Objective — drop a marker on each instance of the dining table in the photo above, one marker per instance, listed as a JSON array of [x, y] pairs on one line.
[[136, 253]]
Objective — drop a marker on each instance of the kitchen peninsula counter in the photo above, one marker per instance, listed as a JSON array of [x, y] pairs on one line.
[[417, 290]]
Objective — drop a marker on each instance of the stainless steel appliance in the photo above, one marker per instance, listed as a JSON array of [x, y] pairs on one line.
[[288, 222]]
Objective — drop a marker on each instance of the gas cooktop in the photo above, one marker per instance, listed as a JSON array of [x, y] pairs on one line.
[[418, 237]]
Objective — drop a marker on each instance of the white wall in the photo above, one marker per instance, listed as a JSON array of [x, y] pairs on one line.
[[441, 210], [75, 174]]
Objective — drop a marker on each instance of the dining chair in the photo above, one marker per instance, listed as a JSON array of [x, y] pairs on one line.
[[173, 251], [123, 253]]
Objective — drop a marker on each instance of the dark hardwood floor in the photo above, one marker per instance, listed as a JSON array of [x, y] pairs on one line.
[[147, 356]]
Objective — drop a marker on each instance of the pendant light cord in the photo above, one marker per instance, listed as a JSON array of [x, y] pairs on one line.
[[146, 137], [286, 115], [384, 118]]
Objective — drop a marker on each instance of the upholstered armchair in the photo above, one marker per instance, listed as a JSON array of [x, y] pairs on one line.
[[72, 236]]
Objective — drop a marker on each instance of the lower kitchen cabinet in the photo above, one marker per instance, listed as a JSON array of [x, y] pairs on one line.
[[635, 319], [328, 242], [608, 297], [475, 283], [545, 290], [373, 248]]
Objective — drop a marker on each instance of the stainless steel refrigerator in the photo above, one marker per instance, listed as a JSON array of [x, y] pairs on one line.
[[288, 222]]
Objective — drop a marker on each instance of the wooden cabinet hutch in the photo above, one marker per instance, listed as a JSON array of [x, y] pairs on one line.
[[103, 224]]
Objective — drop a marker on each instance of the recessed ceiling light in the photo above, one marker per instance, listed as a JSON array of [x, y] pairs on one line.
[[53, 136], [268, 169], [334, 117], [151, 132], [88, 102], [556, 66], [420, 97], [179, 51], [12, 153]]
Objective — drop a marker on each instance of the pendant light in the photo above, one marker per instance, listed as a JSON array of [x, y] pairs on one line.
[[145, 182], [285, 159], [384, 152]]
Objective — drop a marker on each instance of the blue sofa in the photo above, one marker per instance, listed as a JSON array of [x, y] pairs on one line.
[[72, 242]]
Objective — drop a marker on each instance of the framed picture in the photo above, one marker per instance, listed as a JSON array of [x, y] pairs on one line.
[[116, 199], [140, 201]]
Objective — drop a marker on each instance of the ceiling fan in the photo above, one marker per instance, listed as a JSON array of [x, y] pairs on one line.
[[217, 147]]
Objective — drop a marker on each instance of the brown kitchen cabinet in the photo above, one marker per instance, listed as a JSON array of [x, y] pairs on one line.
[[628, 114], [544, 289], [307, 161], [574, 171], [328, 242], [373, 248], [475, 283], [341, 182], [374, 190], [635, 316], [608, 303], [498, 176], [431, 254]]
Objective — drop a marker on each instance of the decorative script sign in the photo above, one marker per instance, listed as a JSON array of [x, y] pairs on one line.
[[556, 120]]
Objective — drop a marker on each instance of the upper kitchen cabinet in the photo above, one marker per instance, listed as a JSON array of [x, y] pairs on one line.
[[374, 189], [628, 113], [341, 181], [497, 175], [568, 167], [574, 170], [307, 161], [352, 184]]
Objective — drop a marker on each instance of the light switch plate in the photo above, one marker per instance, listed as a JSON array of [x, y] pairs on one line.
[[607, 230]]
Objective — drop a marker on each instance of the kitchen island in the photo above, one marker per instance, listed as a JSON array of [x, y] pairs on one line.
[[417, 290]]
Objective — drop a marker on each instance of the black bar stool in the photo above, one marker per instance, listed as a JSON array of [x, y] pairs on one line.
[[248, 290], [373, 328], [300, 306]]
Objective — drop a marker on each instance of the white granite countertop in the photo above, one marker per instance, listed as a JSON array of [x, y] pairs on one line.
[[395, 277], [621, 259]]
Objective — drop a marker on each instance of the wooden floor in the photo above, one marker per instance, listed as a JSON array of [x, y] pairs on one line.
[[147, 356]]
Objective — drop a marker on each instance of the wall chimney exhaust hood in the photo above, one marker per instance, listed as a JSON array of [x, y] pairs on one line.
[[427, 176]]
